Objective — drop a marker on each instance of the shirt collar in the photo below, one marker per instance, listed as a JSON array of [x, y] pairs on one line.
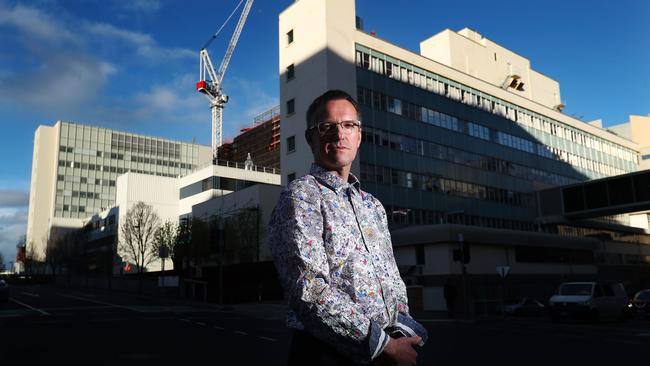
[[332, 180]]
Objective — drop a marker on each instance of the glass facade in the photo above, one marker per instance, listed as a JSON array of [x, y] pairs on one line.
[[438, 151], [90, 159]]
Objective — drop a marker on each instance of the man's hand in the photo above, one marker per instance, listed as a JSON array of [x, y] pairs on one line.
[[400, 352]]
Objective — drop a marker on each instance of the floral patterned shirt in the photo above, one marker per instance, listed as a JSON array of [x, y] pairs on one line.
[[333, 252]]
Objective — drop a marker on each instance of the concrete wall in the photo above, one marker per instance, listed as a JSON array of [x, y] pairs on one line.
[[185, 204], [471, 53], [159, 192], [42, 189], [323, 56]]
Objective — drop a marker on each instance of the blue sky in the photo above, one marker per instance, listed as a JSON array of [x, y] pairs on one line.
[[132, 65]]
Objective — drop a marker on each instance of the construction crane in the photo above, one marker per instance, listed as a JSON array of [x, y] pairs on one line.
[[210, 81]]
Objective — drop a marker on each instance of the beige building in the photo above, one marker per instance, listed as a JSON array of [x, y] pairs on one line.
[[637, 129], [320, 48], [75, 169], [458, 137]]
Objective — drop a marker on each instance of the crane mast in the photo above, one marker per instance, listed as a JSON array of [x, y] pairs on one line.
[[210, 81]]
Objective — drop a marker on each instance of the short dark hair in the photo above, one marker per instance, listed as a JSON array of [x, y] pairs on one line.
[[315, 110]]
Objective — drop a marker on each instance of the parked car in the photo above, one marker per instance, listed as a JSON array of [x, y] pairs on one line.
[[4, 291], [526, 306], [640, 303], [589, 300]]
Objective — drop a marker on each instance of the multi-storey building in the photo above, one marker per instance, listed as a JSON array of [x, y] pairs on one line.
[[75, 169], [261, 140], [637, 129], [458, 140], [466, 131]]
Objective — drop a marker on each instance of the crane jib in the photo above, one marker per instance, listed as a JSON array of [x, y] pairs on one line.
[[210, 81]]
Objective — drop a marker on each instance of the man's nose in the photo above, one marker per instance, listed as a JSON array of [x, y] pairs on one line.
[[340, 131]]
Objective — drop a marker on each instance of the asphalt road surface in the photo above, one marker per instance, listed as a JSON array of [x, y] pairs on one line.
[[46, 323]]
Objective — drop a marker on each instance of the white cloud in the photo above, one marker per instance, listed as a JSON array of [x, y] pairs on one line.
[[108, 30], [13, 225], [144, 44], [175, 101], [68, 65], [63, 81], [145, 6], [36, 23], [13, 198]]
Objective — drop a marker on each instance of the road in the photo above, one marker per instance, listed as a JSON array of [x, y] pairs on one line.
[[47, 323]]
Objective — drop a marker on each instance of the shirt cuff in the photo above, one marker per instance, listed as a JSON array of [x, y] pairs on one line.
[[377, 340], [412, 328]]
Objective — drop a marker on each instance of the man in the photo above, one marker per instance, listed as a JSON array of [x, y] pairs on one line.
[[333, 252]]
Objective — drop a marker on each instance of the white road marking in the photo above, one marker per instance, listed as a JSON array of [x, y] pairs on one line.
[[201, 324], [184, 320], [268, 339], [101, 302], [30, 294], [241, 333], [220, 328], [30, 307]]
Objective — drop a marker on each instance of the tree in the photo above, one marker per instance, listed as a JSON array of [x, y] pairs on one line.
[[31, 258], [53, 250], [166, 237], [181, 253], [137, 233], [242, 233]]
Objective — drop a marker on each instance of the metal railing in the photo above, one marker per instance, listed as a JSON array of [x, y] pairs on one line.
[[236, 165]]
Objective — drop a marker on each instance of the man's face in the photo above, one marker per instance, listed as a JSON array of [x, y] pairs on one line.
[[336, 150]]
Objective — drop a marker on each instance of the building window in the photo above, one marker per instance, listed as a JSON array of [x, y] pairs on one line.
[[291, 177], [290, 72], [291, 106], [291, 144], [290, 37]]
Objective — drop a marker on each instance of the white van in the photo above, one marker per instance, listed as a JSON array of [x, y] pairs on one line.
[[588, 300]]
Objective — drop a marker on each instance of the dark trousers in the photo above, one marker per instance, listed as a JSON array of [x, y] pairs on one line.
[[307, 350]]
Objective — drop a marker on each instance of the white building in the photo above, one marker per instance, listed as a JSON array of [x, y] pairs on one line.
[[75, 169]]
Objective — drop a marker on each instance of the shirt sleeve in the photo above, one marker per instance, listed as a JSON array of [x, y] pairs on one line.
[[296, 242], [398, 285], [405, 324]]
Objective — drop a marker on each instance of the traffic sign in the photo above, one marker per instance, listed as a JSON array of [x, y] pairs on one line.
[[503, 271]]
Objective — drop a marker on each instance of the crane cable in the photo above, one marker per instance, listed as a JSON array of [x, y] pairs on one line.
[[223, 25]]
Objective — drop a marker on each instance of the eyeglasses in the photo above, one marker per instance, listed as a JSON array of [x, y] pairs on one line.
[[326, 128]]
